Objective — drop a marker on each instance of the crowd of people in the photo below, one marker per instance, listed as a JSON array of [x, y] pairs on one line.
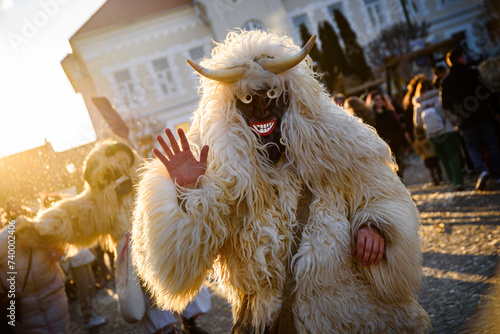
[[451, 120], [47, 279], [42, 301]]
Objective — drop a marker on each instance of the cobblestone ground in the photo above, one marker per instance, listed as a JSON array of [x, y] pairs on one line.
[[460, 236], [460, 242]]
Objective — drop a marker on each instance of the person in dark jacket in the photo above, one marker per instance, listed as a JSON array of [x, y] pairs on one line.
[[465, 94], [439, 72], [388, 126], [441, 133]]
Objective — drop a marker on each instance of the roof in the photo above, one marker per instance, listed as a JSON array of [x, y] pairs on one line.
[[116, 12]]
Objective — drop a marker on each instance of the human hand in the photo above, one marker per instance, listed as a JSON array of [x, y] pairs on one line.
[[182, 166], [369, 246]]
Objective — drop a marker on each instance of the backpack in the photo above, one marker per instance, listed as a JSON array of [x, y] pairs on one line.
[[432, 121]]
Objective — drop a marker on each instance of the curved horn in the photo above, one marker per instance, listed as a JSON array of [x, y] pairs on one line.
[[228, 76], [281, 65]]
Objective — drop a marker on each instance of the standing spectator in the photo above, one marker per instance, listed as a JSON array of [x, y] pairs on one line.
[[84, 278], [388, 126], [360, 109], [465, 94], [102, 272], [490, 72], [430, 115], [408, 103], [42, 306], [81, 269], [439, 72], [424, 148]]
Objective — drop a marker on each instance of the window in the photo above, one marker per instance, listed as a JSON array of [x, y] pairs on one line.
[[127, 92], [300, 19], [196, 54], [414, 7], [253, 25], [333, 8], [297, 21], [375, 13], [164, 77]]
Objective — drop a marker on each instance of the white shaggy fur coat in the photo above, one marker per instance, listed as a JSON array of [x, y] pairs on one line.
[[96, 214], [237, 224]]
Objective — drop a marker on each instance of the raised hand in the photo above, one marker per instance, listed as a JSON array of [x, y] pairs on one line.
[[369, 246], [181, 165]]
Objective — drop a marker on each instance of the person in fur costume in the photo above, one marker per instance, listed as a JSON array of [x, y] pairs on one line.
[[102, 212], [269, 156]]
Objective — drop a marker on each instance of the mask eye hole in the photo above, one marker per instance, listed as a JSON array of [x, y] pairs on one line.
[[271, 93], [246, 98]]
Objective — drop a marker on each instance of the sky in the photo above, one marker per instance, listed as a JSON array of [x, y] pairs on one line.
[[37, 101]]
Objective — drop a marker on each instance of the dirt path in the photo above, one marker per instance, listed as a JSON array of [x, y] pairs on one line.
[[460, 241]]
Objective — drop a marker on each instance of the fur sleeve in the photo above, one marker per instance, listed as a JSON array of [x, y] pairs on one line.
[[173, 249], [54, 223], [399, 274]]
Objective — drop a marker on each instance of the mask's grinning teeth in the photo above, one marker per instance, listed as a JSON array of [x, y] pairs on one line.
[[264, 128]]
